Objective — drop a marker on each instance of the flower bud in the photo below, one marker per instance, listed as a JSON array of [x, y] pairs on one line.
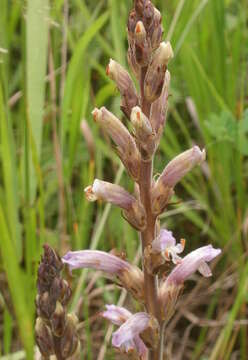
[[154, 79], [58, 320], [157, 30], [139, 6], [172, 174], [148, 14], [126, 147], [181, 165], [143, 130], [69, 342], [159, 109], [133, 212], [142, 46], [45, 305], [125, 85], [44, 338]]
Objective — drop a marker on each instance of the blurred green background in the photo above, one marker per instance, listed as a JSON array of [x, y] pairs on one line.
[[53, 56]]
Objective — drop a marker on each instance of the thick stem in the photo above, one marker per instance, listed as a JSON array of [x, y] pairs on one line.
[[151, 287]]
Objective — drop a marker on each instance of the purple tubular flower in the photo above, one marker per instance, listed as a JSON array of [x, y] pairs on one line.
[[172, 174], [95, 259], [196, 260], [127, 337], [133, 210], [181, 165], [115, 194], [125, 85], [130, 276], [165, 243], [126, 146]]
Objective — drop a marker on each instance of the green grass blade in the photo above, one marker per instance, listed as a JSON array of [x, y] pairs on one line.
[[36, 52]]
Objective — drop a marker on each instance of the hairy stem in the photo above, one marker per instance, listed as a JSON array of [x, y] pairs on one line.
[[151, 287]]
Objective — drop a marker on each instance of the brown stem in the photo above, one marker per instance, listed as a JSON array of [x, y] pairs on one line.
[[151, 287]]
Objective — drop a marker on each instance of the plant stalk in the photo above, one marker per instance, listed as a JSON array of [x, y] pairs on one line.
[[147, 236]]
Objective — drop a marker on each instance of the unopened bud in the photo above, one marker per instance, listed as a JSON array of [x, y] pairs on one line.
[[151, 334], [44, 338], [172, 174], [143, 130], [133, 280], [148, 14], [142, 46], [116, 195], [132, 20], [58, 320], [140, 122], [126, 147], [159, 109], [157, 30], [125, 85], [60, 290], [69, 342], [154, 79], [45, 305], [139, 6]]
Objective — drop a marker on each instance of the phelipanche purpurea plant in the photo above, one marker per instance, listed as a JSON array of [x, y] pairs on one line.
[[141, 334]]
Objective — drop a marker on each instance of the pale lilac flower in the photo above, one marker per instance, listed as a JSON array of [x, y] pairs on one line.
[[125, 85], [165, 243], [127, 339], [115, 194], [95, 259], [181, 165], [172, 174], [133, 210], [130, 276], [196, 260], [126, 146], [118, 316]]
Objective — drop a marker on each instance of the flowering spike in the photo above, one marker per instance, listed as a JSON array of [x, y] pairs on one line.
[[125, 85], [115, 194], [154, 79], [126, 147]]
